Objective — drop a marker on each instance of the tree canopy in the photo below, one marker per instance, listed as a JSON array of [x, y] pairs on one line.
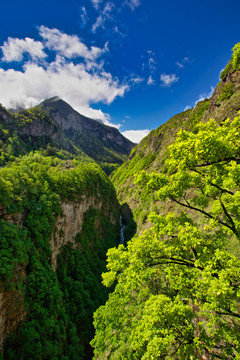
[[178, 284]]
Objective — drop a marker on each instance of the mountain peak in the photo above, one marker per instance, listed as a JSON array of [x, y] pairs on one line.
[[97, 140]]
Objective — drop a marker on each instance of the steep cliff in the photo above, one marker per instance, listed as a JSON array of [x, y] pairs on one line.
[[56, 129], [177, 284], [69, 224], [101, 142], [56, 226]]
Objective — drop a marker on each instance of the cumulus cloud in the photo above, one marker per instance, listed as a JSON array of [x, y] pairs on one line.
[[187, 108], [168, 79], [13, 49], [80, 84], [69, 46], [135, 135]]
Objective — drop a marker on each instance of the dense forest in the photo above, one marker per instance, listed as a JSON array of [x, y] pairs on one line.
[[172, 290], [58, 306], [178, 284]]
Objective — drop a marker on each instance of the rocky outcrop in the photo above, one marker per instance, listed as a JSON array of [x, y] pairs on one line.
[[70, 222], [12, 312], [226, 108], [68, 118], [5, 117], [101, 142], [67, 226]]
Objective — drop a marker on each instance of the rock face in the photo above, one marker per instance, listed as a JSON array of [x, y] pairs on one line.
[[228, 107], [69, 224], [12, 312], [55, 124], [5, 117], [97, 140]]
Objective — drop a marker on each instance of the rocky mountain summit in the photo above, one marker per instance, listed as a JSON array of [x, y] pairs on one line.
[[55, 126], [99, 141]]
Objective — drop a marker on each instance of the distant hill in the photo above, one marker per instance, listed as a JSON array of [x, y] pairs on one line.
[[100, 142], [54, 126]]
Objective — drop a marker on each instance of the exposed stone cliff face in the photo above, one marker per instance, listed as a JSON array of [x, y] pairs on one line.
[[95, 139], [12, 312], [67, 226], [68, 118], [228, 108], [70, 222], [4, 115]]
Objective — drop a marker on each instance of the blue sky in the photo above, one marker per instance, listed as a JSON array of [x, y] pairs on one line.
[[130, 63]]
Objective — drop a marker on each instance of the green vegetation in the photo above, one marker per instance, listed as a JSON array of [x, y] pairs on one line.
[[59, 306], [35, 130], [226, 92], [151, 155], [177, 289], [234, 63]]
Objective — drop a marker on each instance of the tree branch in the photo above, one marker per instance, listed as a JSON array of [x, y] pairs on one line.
[[227, 214], [204, 213]]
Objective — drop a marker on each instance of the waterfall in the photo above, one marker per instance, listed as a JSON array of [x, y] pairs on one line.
[[122, 231]]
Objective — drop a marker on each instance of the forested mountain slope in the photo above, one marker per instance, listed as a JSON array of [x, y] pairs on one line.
[[100, 142], [56, 225], [177, 284], [150, 154], [56, 129]]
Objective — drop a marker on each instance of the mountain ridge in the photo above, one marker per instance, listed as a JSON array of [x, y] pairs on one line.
[[150, 154], [56, 127]]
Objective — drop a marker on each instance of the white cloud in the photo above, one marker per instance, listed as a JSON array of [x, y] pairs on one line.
[[83, 16], [183, 62], [133, 4], [168, 79], [80, 84], [136, 79], [187, 108], [96, 3], [13, 49], [69, 46], [204, 96], [150, 81], [152, 64], [135, 135], [117, 31], [180, 65], [105, 14], [98, 23]]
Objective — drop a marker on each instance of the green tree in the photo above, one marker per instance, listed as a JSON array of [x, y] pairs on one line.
[[178, 284]]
